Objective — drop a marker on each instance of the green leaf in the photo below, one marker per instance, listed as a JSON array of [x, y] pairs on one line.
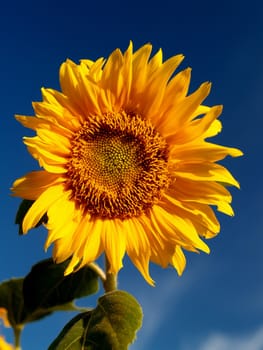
[[21, 213], [112, 325], [45, 290], [11, 298], [47, 287], [71, 337]]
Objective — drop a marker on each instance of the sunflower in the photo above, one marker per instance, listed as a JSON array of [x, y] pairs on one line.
[[4, 345], [4, 319], [127, 167]]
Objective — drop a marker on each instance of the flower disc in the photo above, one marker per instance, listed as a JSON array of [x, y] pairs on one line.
[[118, 166]]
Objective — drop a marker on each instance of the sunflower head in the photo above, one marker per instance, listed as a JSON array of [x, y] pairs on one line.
[[126, 165]]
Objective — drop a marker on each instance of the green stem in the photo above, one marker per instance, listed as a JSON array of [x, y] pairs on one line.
[[17, 335], [110, 282], [96, 268]]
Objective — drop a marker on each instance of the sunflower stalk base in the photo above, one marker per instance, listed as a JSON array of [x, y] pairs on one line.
[[98, 270], [110, 282], [17, 336]]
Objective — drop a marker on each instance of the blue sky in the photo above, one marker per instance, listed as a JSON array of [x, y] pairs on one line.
[[218, 302]]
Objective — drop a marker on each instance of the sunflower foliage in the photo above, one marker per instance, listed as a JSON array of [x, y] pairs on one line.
[[112, 324]]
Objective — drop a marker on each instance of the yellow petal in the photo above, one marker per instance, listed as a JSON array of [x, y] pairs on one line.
[[57, 117], [125, 82], [205, 171], [155, 88], [58, 99], [47, 157], [72, 266], [185, 109], [139, 72], [195, 129], [210, 193], [111, 78], [179, 260], [200, 215], [63, 219], [69, 81], [93, 245], [4, 345], [33, 122], [53, 138], [41, 206], [184, 231], [91, 95], [114, 242], [175, 91], [4, 317], [203, 151], [138, 247], [32, 185]]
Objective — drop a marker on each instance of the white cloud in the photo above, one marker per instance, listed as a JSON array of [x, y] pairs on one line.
[[220, 341], [156, 308], [162, 301]]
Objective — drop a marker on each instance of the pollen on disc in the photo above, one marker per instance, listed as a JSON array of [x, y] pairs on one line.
[[118, 166]]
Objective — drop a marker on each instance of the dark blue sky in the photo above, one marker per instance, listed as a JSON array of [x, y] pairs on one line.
[[218, 303]]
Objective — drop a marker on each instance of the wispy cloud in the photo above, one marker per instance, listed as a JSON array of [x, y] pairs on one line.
[[162, 301], [221, 341]]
